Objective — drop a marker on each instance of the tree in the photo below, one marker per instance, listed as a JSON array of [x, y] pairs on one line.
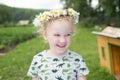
[[107, 11], [111, 10], [82, 6], [109, 7], [13, 15], [5, 14]]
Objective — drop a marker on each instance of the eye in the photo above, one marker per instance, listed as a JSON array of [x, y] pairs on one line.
[[57, 35], [68, 34]]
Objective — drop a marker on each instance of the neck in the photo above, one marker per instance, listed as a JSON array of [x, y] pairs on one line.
[[54, 53]]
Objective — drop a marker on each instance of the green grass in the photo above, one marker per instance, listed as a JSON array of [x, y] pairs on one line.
[[14, 65], [14, 35]]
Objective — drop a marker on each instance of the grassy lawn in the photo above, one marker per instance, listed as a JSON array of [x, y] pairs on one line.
[[14, 65]]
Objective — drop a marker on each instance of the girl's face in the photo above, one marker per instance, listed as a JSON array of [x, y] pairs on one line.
[[59, 34]]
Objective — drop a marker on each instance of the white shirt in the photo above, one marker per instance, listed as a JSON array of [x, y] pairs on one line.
[[66, 67]]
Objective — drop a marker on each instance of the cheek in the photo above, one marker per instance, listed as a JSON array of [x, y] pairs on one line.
[[52, 40], [69, 39]]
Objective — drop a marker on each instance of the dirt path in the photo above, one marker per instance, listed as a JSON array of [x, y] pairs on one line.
[[6, 49]]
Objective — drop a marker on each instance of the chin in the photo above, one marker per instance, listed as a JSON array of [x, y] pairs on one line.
[[61, 51]]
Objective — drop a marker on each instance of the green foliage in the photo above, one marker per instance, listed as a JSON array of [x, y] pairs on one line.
[[106, 12], [86, 24], [9, 14], [110, 7], [14, 35], [82, 6], [24, 14], [14, 65], [2, 46], [5, 14]]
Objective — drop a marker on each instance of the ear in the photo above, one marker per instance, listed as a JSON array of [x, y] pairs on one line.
[[44, 35]]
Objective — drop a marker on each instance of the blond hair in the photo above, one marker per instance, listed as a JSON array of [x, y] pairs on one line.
[[47, 23]]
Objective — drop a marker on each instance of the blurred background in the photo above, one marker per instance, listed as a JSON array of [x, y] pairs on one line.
[[91, 11], [19, 41]]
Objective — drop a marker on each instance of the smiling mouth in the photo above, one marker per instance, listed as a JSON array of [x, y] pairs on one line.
[[61, 46]]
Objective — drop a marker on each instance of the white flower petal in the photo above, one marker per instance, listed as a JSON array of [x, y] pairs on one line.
[[45, 16]]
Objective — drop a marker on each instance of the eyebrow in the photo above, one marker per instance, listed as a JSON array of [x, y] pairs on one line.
[[68, 32], [71, 32]]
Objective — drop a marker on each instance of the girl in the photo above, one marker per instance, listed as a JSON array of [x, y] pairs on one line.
[[57, 63]]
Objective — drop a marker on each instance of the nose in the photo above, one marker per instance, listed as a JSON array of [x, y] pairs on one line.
[[62, 39]]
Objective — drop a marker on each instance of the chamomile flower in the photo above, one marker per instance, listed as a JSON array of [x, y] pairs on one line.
[[45, 16], [72, 12], [63, 12], [56, 13]]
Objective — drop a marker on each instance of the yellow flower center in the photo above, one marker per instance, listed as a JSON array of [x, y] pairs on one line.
[[61, 12], [51, 12], [55, 12], [46, 15], [70, 12]]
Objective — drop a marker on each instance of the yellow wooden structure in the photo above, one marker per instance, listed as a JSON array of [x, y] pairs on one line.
[[109, 50]]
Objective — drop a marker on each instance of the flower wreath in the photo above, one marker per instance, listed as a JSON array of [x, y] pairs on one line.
[[47, 15]]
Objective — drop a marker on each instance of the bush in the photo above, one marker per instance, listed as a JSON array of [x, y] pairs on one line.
[[2, 47], [86, 24], [15, 35]]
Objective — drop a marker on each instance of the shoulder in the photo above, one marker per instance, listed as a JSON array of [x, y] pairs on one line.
[[77, 57], [75, 54], [39, 55]]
